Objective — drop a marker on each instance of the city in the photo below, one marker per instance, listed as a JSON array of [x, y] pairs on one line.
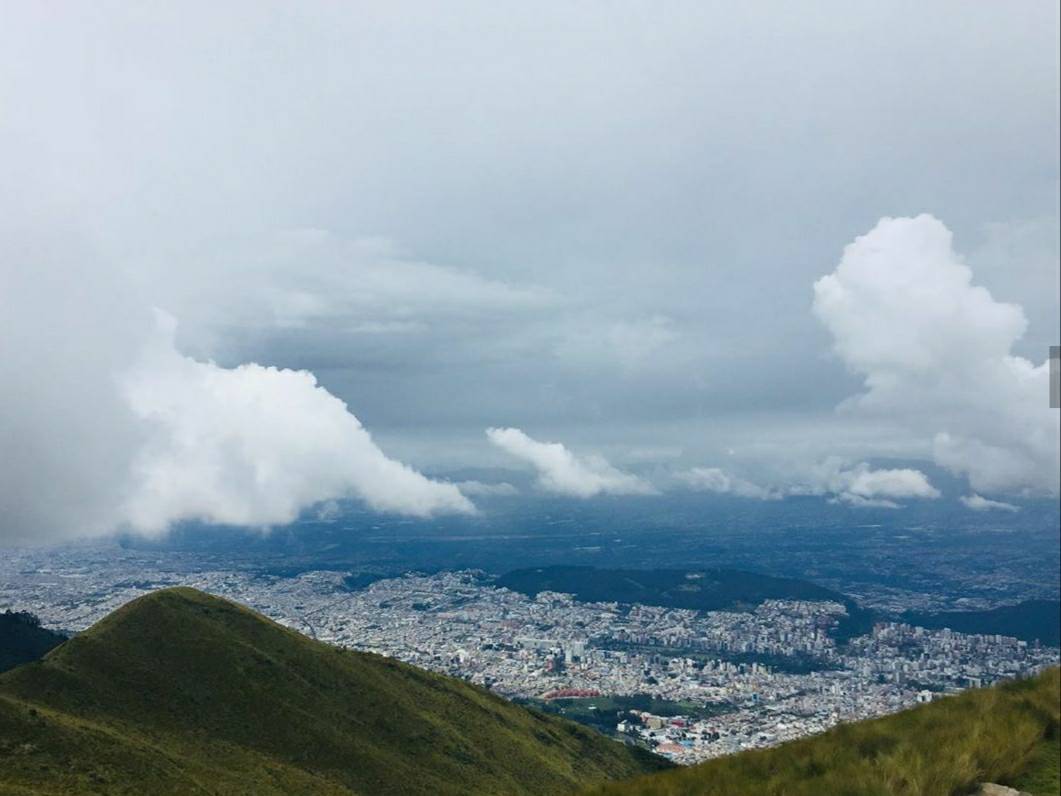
[[724, 681]]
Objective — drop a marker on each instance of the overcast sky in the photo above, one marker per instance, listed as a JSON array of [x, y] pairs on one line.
[[624, 229]]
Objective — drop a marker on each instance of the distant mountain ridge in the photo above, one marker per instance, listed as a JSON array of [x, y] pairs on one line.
[[179, 692], [1030, 620], [695, 588]]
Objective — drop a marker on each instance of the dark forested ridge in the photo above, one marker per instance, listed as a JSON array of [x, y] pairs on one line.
[[22, 639], [695, 589], [1030, 620], [179, 692]]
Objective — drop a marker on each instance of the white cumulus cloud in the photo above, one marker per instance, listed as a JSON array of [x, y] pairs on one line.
[[935, 351], [253, 445], [713, 479], [979, 503], [560, 471], [857, 485], [864, 486], [105, 424]]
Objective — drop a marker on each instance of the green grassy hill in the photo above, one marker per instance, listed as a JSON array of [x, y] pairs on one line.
[[181, 692], [1008, 735]]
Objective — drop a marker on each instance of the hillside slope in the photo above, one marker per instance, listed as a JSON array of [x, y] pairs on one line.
[[181, 692], [1007, 735]]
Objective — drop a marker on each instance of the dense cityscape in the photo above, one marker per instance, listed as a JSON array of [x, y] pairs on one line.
[[716, 682]]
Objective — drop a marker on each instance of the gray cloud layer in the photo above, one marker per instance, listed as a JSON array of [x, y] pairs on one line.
[[600, 221]]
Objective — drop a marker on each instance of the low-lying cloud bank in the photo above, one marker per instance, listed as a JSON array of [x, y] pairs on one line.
[[562, 472], [713, 479], [864, 486], [858, 485]]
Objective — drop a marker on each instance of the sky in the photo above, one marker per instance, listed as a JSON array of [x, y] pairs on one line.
[[258, 256]]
